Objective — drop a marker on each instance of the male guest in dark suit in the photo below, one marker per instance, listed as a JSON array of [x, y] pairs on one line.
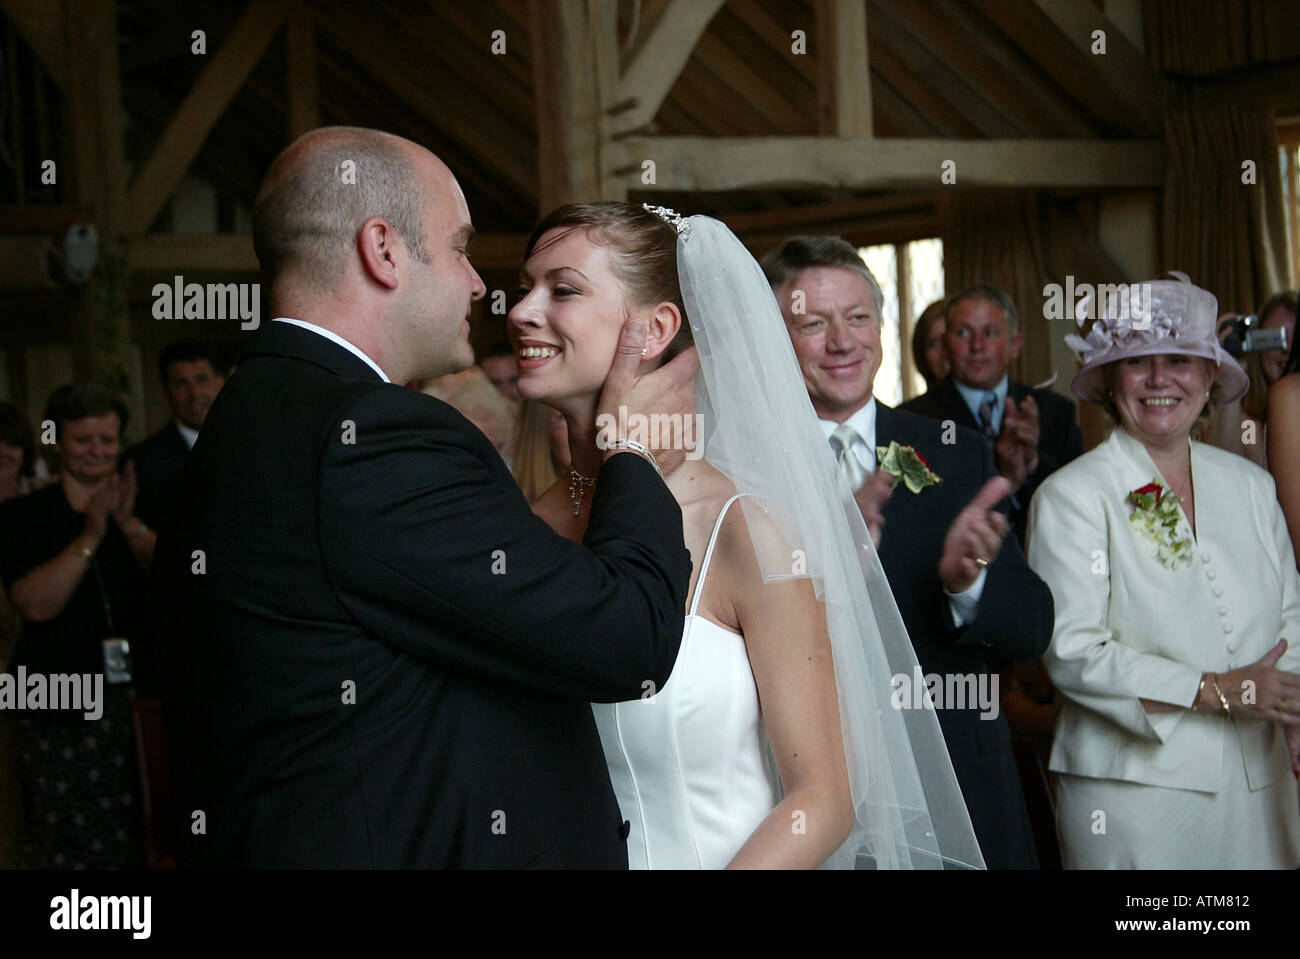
[[190, 379], [1033, 432], [388, 660], [963, 587]]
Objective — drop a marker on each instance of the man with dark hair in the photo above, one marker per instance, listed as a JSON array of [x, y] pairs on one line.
[[962, 586], [1034, 432], [389, 659], [191, 378]]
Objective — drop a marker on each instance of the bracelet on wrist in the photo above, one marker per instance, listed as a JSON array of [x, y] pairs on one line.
[[1223, 700], [1196, 703], [635, 447]]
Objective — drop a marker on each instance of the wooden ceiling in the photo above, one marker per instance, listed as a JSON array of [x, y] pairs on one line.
[[986, 69]]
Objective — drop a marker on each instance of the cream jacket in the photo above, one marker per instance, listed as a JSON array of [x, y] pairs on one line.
[[1129, 628]]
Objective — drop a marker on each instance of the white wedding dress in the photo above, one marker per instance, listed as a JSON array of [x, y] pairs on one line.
[[691, 766]]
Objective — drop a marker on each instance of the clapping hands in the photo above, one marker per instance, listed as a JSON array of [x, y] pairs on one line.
[[1016, 449], [975, 535]]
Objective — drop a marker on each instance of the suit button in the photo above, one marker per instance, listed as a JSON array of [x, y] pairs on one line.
[[1218, 591], [625, 830], [1205, 557], [1210, 574], [1223, 610], [1227, 628], [1232, 648]]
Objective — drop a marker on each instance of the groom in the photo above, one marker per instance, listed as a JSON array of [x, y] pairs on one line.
[[380, 658], [962, 585]]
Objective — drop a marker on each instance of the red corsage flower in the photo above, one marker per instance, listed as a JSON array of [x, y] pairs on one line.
[[1151, 488]]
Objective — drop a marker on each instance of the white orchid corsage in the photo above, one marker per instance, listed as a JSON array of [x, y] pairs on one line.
[[1157, 519]]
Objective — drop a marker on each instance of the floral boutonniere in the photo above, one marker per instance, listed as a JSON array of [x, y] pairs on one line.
[[1157, 519], [905, 464]]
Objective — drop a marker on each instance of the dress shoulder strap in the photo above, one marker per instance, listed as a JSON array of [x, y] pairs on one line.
[[708, 553]]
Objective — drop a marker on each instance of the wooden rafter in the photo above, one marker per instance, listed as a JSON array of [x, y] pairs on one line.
[[575, 69], [657, 63], [689, 163], [461, 117], [1122, 69], [42, 25], [199, 111], [170, 253], [1077, 71], [301, 78], [945, 29], [844, 80], [933, 71]]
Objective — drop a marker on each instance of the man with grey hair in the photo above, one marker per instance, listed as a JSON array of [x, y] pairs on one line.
[[381, 657], [1034, 432], [963, 587]]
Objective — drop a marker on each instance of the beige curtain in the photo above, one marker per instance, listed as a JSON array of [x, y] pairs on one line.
[[1228, 236], [993, 236], [1200, 37]]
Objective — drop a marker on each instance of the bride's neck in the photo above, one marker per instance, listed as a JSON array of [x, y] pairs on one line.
[[584, 457]]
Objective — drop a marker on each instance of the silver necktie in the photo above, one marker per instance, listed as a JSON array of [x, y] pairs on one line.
[[850, 468], [986, 415]]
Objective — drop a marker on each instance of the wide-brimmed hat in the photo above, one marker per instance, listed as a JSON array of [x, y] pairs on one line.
[[1144, 319]]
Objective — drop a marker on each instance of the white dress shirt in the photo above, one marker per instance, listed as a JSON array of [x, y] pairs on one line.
[[335, 338], [187, 434], [974, 398], [964, 605]]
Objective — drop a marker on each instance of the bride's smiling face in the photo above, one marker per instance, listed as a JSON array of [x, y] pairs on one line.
[[566, 324]]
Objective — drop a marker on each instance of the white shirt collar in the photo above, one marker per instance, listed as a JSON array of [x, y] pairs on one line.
[[863, 422], [187, 434], [974, 398], [335, 338]]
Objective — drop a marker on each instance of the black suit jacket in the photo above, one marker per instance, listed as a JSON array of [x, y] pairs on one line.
[[381, 657], [1014, 621], [1059, 438], [159, 462]]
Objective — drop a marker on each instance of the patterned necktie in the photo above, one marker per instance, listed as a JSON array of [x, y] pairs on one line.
[[986, 415], [842, 443]]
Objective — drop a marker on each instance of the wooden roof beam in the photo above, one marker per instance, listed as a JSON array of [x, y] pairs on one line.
[[1078, 72], [700, 164], [301, 76], [199, 111], [1122, 68], [348, 34], [42, 25], [656, 64], [844, 75]]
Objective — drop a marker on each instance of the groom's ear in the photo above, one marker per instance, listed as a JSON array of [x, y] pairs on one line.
[[664, 323], [376, 246]]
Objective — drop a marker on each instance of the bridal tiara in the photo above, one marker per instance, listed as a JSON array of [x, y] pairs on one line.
[[679, 222]]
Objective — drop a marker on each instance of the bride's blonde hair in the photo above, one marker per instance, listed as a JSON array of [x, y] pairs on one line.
[[643, 249]]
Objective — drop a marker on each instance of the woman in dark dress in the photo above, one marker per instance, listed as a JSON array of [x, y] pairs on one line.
[[74, 558]]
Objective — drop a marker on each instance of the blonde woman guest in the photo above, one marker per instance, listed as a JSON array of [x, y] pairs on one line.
[[541, 449], [1176, 592]]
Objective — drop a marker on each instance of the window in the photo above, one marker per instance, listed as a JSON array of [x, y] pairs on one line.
[[911, 278], [1288, 141]]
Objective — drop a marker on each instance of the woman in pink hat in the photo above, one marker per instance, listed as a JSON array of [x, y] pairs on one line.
[[1176, 595]]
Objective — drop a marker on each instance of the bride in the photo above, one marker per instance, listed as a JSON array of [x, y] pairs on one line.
[[773, 744]]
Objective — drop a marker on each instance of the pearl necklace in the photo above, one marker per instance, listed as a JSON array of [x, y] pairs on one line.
[[577, 485]]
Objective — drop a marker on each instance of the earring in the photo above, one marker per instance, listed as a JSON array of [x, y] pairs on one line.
[[643, 350]]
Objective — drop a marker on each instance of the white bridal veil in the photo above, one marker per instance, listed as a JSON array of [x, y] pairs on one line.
[[761, 431]]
